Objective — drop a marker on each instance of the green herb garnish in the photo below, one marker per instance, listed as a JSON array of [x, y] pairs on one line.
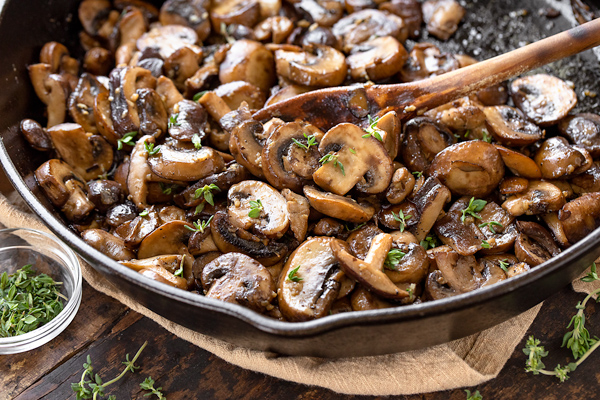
[[199, 95], [333, 157], [402, 219], [126, 139], [151, 149], [417, 174], [504, 265], [144, 213], [428, 243], [485, 244], [475, 206], [179, 271], [467, 133], [199, 226], [311, 140], [196, 141], [292, 275], [206, 191], [353, 151], [393, 258], [148, 384], [592, 275], [199, 208], [255, 207], [167, 189], [373, 130], [474, 396], [173, 121], [27, 301], [411, 291], [486, 136], [357, 227], [491, 225]]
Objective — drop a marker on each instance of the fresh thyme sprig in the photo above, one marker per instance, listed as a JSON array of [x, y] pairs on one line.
[[333, 157], [400, 217], [199, 226], [393, 258], [151, 149], [196, 141], [206, 191], [88, 389], [428, 243], [373, 130], [292, 276], [126, 139], [486, 136], [148, 384], [173, 121], [485, 244], [199, 95], [504, 265], [474, 206], [179, 271], [490, 225], [255, 207], [592, 275], [311, 140], [417, 174], [474, 396], [411, 291]]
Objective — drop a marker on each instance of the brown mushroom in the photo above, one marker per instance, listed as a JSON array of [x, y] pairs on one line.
[[248, 61], [539, 198], [167, 39], [181, 65], [246, 144], [131, 26], [519, 164], [423, 140], [376, 59], [534, 245], [544, 99], [430, 200], [275, 28], [190, 13], [510, 128], [234, 12], [581, 216], [322, 12], [328, 227], [169, 238], [410, 12], [139, 170], [81, 102], [104, 193], [163, 268], [310, 281], [583, 130], [107, 244], [298, 210], [98, 61], [442, 17], [317, 65], [237, 278], [426, 60], [97, 18], [363, 299], [587, 182], [361, 26], [52, 89], [340, 207], [360, 240], [234, 93], [558, 159], [472, 168], [179, 164], [408, 264], [188, 119], [461, 273], [57, 56], [234, 173], [168, 92], [36, 135], [401, 186]]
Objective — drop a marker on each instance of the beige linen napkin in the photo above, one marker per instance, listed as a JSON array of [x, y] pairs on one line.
[[466, 362]]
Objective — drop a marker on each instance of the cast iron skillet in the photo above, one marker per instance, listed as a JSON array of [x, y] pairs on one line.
[[26, 25]]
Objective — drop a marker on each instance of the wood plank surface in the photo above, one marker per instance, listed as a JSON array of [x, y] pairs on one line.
[[105, 330]]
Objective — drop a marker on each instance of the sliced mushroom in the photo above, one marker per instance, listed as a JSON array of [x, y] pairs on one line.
[[322, 12], [275, 28], [88, 155], [177, 164], [316, 66], [98, 61], [245, 146], [57, 56], [131, 26], [248, 61], [298, 210], [442, 17], [363, 299], [285, 163], [519, 164], [36, 135], [354, 161], [437, 288], [430, 200], [534, 244], [412, 266], [376, 59], [580, 217], [369, 272], [234, 173], [167, 39], [134, 231], [181, 65], [510, 128], [587, 182], [363, 25], [164, 276], [462, 273], [286, 93], [120, 214], [309, 292], [389, 216], [539, 198], [544, 99], [237, 278], [168, 92], [583, 130], [423, 140], [103, 119], [513, 185], [557, 159], [96, 18], [191, 13], [164, 263], [234, 93], [230, 238], [401, 186], [139, 170], [340, 207], [328, 227], [272, 218], [52, 90], [65, 189], [426, 60], [410, 12], [234, 12], [472, 168], [152, 113], [188, 119], [81, 102], [107, 244], [104, 193]]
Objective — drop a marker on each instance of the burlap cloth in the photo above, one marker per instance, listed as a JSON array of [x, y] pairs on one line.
[[466, 362]]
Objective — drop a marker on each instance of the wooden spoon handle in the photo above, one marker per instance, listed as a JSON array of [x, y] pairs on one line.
[[439, 90]]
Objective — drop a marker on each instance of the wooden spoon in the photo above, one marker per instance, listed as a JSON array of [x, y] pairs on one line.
[[328, 107]]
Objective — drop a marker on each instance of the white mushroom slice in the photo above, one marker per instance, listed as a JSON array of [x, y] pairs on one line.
[[317, 66], [354, 160], [248, 61], [340, 207], [310, 281], [376, 59], [185, 165], [270, 217]]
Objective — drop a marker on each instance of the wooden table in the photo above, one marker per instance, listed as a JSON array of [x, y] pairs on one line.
[[106, 330]]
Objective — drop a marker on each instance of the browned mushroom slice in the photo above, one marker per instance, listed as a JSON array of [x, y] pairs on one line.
[[544, 99], [399, 216], [237, 278], [36, 135], [57, 56], [169, 238], [462, 273], [238, 12], [98, 61], [557, 159], [369, 272], [102, 117], [442, 17], [256, 206], [105, 194], [425, 60], [513, 185], [401, 186], [276, 29], [362, 299], [188, 119], [472, 168], [328, 227], [580, 217], [587, 182], [356, 161], [167, 39], [316, 66], [139, 171], [510, 128], [199, 263], [290, 155], [410, 12], [171, 264], [168, 92], [234, 93], [134, 231], [363, 25], [88, 155], [423, 140], [519, 164], [248, 61], [360, 240], [107, 244], [505, 261], [298, 210], [162, 275], [191, 13], [245, 146], [179, 164], [407, 263], [539, 198], [534, 244], [52, 90], [131, 26], [583, 130], [322, 12], [437, 288], [181, 65], [462, 234], [230, 238], [81, 102], [64, 188], [390, 128], [498, 229], [376, 59], [310, 281], [234, 173], [340, 207], [96, 18], [286, 93], [430, 200], [492, 272], [152, 113]]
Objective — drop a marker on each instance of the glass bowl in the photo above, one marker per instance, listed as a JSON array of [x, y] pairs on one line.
[[21, 246]]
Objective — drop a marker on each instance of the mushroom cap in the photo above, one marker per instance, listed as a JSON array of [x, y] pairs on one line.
[[519, 164], [190, 13], [583, 130], [580, 217], [442, 17], [82, 99], [333, 205], [179, 164], [540, 197], [376, 59], [169, 238], [472, 168], [108, 244], [558, 159], [167, 39], [509, 126], [317, 66], [360, 26], [430, 200], [245, 147], [313, 295], [36, 135], [248, 61], [423, 139], [535, 244]]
